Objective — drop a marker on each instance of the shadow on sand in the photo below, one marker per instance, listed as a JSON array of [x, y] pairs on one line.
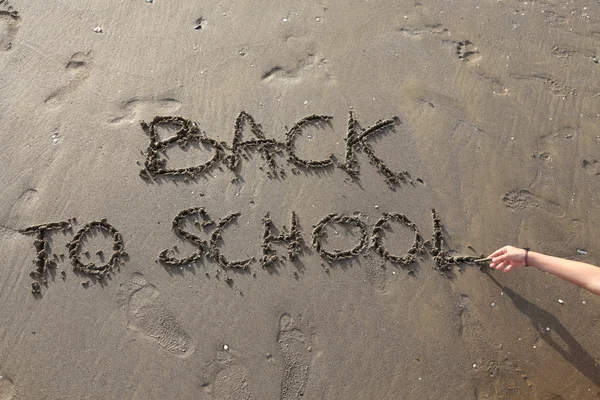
[[574, 353]]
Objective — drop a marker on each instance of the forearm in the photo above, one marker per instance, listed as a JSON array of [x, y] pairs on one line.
[[581, 274]]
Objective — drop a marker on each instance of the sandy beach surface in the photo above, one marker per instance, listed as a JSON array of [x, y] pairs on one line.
[[233, 200]]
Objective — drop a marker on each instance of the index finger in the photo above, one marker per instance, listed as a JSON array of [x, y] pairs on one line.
[[498, 252]]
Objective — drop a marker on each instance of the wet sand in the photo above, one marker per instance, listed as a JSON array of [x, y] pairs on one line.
[[234, 201]]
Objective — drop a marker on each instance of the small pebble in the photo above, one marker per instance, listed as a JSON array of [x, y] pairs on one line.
[[474, 365], [547, 329], [493, 305], [225, 347], [98, 29], [561, 301]]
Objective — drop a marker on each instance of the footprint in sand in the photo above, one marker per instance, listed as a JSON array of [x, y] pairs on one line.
[[147, 315], [305, 67], [553, 85], [7, 388], [134, 109], [467, 51], [296, 358], [433, 29], [524, 199], [78, 69], [376, 273], [592, 167], [9, 25], [232, 384]]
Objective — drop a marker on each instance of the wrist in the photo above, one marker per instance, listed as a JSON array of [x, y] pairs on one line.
[[532, 259]]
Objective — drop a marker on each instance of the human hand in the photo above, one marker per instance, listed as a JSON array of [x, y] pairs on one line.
[[507, 258]]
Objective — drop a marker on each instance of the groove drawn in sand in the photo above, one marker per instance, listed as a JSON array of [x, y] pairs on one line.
[[295, 131], [79, 70], [318, 234], [266, 147], [356, 140], [293, 240], [232, 384], [467, 51], [147, 315], [436, 246], [9, 25], [215, 253], [42, 261], [296, 358], [7, 388], [165, 255], [522, 200], [377, 240], [188, 132], [74, 246]]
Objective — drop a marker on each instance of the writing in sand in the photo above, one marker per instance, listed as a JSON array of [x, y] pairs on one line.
[[211, 246]]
